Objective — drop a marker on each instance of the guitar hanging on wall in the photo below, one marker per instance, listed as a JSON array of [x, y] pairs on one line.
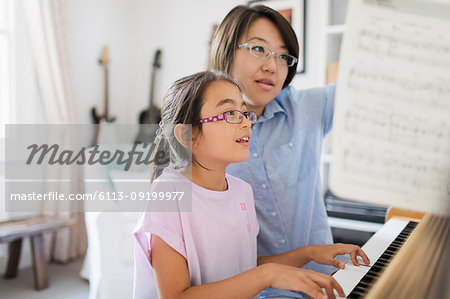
[[98, 118], [151, 115]]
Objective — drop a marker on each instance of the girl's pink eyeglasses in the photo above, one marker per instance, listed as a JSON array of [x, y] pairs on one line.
[[232, 117]]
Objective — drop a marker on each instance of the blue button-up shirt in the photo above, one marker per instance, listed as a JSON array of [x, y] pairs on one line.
[[284, 171]]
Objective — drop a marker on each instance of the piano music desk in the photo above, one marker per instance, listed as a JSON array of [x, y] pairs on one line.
[[403, 214]]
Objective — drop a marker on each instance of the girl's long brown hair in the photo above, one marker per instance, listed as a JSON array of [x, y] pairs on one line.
[[182, 104]]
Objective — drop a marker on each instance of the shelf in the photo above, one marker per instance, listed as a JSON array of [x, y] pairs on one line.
[[335, 29], [354, 224]]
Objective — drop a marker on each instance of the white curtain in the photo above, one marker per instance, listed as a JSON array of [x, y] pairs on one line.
[[47, 31]]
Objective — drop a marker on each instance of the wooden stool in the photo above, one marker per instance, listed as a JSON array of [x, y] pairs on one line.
[[13, 231]]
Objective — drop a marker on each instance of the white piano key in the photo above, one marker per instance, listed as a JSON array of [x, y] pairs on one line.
[[361, 261], [362, 269], [337, 295], [348, 278]]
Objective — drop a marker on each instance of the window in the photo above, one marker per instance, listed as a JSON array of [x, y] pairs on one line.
[[6, 63]]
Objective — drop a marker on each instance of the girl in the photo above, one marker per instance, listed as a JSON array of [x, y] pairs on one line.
[[259, 49], [210, 251]]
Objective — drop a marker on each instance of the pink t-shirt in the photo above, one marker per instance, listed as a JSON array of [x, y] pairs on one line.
[[217, 239]]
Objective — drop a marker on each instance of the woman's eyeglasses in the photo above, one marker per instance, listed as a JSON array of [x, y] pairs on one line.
[[232, 117], [264, 53]]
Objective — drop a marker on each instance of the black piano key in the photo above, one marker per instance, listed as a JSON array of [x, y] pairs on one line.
[[383, 260], [375, 271], [364, 284], [369, 277], [390, 252], [396, 243], [360, 289], [355, 295], [382, 264], [385, 256]]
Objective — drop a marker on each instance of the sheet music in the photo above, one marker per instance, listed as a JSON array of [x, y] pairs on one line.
[[391, 142]]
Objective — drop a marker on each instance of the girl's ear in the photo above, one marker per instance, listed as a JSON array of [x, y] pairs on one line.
[[183, 134], [195, 136]]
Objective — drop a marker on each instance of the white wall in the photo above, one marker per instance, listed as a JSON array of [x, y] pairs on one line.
[[134, 29]]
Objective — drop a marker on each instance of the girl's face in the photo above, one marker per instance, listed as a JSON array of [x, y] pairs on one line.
[[261, 79], [221, 143]]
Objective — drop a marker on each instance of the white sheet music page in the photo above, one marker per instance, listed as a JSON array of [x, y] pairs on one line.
[[391, 142]]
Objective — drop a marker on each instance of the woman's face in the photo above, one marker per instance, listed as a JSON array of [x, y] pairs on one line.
[[261, 79], [221, 143]]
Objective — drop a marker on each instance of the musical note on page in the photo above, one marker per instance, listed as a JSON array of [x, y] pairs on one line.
[[391, 142]]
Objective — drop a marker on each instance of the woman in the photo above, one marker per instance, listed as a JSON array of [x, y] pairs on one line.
[[259, 49]]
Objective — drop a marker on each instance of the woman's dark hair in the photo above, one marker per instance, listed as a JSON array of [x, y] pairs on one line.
[[236, 23], [182, 104]]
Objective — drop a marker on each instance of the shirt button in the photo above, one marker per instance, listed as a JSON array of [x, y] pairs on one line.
[[264, 186], [291, 144], [283, 241], [255, 155], [274, 214]]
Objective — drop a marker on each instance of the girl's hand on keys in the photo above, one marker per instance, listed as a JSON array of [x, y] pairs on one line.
[[302, 280], [325, 254]]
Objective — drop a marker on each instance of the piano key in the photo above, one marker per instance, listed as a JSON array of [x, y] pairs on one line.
[[350, 266], [378, 267], [380, 248]]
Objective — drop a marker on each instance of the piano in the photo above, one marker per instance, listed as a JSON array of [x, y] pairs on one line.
[[408, 259]]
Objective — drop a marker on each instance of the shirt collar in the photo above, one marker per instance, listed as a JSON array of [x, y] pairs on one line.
[[272, 108]]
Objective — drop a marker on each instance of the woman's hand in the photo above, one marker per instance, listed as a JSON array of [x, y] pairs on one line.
[[302, 280], [325, 254]]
